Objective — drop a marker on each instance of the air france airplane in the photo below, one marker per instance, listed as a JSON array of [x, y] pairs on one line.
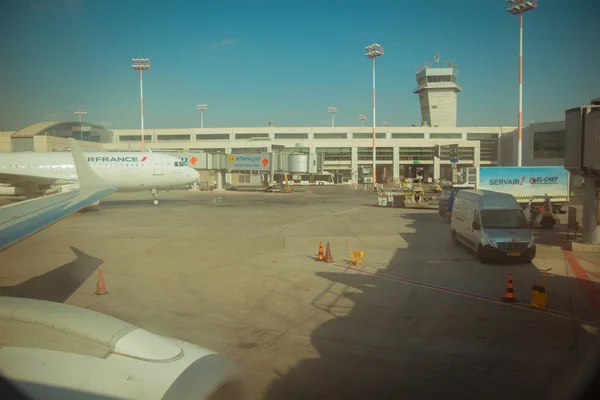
[[33, 174]]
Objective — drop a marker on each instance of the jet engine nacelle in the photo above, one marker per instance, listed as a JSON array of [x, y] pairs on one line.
[[55, 351]]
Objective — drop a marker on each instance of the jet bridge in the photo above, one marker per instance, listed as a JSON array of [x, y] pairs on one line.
[[271, 163]]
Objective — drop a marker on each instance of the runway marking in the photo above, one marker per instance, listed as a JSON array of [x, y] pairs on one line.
[[587, 285], [470, 295], [280, 228]]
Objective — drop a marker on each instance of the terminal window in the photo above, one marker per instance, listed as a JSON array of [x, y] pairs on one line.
[[248, 150], [416, 153], [172, 137], [445, 135], [251, 135], [380, 135], [408, 135], [488, 145], [549, 144], [213, 136], [382, 153], [291, 136], [336, 153], [134, 138], [331, 135]]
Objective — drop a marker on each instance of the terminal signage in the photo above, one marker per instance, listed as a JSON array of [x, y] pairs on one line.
[[251, 162]]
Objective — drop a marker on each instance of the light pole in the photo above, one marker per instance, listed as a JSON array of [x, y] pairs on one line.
[[201, 108], [332, 110], [362, 120], [141, 64], [374, 51], [518, 7], [80, 112], [385, 123]]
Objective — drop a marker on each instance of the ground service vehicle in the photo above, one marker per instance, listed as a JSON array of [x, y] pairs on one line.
[[326, 178], [525, 183], [448, 194], [541, 214], [493, 225]]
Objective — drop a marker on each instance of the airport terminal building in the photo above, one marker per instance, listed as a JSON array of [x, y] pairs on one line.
[[401, 151]]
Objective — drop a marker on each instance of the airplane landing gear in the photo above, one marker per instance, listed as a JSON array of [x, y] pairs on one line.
[[155, 196]]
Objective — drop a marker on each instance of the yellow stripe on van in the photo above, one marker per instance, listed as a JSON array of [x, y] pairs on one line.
[[560, 197]]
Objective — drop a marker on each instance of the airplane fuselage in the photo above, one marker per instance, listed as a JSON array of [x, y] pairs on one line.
[[124, 171]]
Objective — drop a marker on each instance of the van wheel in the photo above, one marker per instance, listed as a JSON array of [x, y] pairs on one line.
[[483, 257], [454, 238]]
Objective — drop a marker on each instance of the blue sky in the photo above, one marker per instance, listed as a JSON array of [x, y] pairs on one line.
[[287, 61]]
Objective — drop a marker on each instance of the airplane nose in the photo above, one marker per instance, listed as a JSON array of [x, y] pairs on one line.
[[194, 175]]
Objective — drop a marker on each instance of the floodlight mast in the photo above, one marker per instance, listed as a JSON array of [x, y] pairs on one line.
[[333, 110], [141, 64], [518, 7], [362, 120], [201, 108], [374, 51]]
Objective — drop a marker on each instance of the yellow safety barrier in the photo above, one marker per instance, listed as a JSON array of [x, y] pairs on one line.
[[539, 297], [356, 256]]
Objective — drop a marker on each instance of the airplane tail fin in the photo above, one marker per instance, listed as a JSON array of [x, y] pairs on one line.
[[86, 175]]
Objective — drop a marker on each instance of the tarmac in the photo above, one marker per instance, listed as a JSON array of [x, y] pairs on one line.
[[236, 272]]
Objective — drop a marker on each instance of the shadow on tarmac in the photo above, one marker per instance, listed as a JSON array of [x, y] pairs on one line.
[[401, 341], [58, 284]]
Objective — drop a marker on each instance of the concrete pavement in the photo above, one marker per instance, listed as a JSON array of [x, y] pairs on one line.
[[235, 272]]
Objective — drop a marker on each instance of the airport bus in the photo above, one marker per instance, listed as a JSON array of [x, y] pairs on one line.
[[326, 178]]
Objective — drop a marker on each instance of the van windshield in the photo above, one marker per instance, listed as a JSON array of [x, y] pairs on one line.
[[503, 219]]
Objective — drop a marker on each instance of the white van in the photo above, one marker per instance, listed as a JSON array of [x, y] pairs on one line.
[[492, 224]]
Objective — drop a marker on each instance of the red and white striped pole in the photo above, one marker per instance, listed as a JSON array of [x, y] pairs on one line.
[[520, 117], [518, 7], [374, 129]]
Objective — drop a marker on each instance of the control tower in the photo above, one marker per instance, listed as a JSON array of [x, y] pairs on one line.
[[437, 91]]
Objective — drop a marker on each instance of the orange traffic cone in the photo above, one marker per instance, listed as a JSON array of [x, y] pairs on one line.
[[100, 289], [328, 258], [320, 256], [510, 294]]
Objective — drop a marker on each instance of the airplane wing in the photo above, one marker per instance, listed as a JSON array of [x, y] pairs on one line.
[[21, 220]]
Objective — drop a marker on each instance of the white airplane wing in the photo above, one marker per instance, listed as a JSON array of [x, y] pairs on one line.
[[23, 219]]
